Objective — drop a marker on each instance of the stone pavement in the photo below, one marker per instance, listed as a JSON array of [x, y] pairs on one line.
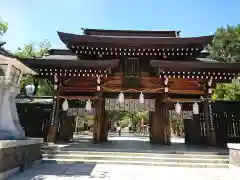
[[50, 171]]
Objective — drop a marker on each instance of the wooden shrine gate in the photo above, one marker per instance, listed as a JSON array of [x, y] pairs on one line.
[[100, 64]]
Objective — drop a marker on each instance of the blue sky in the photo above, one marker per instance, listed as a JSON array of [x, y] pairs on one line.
[[35, 20]]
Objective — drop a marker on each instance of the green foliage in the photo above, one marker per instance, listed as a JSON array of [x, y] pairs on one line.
[[226, 44], [118, 115], [3, 27], [226, 48], [142, 115], [32, 50], [89, 119], [29, 51], [115, 116], [229, 91], [124, 122], [125, 118], [177, 125]]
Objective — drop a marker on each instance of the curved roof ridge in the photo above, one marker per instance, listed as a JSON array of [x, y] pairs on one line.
[[142, 33], [70, 39]]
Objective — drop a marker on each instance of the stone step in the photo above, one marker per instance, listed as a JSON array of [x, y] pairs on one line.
[[166, 154], [145, 163], [138, 158], [175, 160]]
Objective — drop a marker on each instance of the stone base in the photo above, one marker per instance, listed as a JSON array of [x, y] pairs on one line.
[[4, 175], [4, 135], [234, 160], [16, 155], [234, 172]]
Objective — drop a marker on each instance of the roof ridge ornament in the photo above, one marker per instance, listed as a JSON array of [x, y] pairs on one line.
[[2, 44], [177, 33]]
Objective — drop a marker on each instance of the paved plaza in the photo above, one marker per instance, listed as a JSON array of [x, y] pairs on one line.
[[48, 171]]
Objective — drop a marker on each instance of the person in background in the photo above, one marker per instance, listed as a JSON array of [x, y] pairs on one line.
[[119, 130]]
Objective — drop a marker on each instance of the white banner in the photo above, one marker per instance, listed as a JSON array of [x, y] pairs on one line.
[[130, 105]]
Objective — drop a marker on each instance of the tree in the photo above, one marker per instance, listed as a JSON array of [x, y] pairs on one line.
[[229, 91], [126, 117], [3, 27], [32, 50], [226, 44], [177, 124], [142, 115], [116, 116], [3, 30], [226, 48]]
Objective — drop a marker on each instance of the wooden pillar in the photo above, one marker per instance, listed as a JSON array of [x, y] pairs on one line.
[[160, 123], [165, 110], [166, 124], [151, 116], [52, 131], [197, 129], [105, 124], [65, 127], [100, 133], [208, 116], [160, 132], [192, 130]]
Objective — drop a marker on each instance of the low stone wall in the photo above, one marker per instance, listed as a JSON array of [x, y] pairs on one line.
[[15, 155], [234, 160]]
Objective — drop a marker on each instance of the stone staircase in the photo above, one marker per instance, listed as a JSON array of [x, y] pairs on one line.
[[170, 159]]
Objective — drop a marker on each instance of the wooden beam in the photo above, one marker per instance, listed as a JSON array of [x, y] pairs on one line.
[[182, 91]]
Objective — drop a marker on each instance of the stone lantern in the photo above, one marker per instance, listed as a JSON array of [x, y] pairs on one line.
[[11, 71]]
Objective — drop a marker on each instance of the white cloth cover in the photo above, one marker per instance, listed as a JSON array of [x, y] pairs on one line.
[[9, 120]]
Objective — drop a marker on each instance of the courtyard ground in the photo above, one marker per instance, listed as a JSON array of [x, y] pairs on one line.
[[48, 171]]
